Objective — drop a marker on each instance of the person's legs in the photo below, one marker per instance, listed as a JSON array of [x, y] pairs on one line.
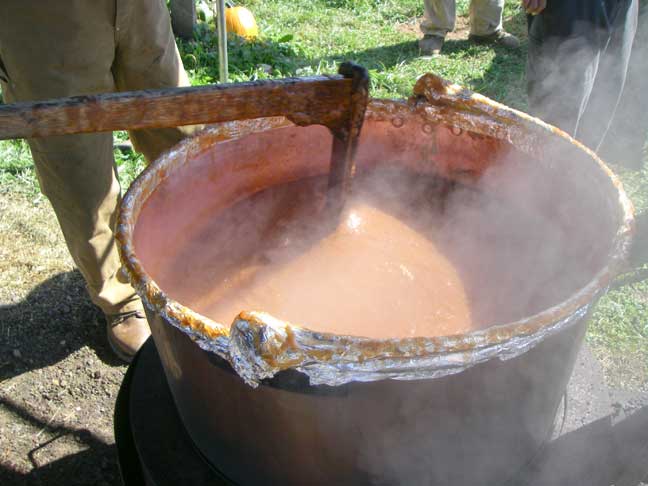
[[439, 17], [58, 49], [486, 16], [608, 86], [66, 49], [560, 72], [486, 24], [77, 176], [577, 63], [624, 142], [147, 57]]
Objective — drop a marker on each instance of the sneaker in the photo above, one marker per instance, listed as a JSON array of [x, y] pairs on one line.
[[127, 332], [430, 45], [501, 38]]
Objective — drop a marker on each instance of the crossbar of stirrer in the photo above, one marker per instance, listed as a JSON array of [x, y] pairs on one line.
[[337, 102]]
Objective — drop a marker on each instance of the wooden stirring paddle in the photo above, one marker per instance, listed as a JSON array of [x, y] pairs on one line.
[[337, 102]]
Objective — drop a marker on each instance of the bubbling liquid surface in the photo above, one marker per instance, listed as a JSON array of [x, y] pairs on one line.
[[372, 275], [402, 260]]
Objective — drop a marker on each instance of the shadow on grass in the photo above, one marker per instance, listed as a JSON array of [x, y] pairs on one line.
[[383, 57], [271, 58], [54, 320], [263, 58], [504, 80]]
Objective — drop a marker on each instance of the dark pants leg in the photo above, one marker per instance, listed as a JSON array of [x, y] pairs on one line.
[[579, 53], [627, 136]]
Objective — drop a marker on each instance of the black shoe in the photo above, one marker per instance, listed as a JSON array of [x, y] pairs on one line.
[[501, 38]]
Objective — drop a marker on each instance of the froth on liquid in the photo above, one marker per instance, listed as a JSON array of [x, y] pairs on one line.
[[371, 276], [375, 272]]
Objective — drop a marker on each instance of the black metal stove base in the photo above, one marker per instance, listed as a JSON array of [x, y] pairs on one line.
[[597, 443], [153, 446]]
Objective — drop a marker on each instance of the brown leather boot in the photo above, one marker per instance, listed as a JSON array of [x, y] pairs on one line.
[[127, 332]]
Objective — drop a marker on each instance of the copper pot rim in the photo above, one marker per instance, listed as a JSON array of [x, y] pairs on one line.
[[497, 335]]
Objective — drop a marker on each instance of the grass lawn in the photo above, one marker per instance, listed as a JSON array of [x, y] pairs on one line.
[[304, 37]]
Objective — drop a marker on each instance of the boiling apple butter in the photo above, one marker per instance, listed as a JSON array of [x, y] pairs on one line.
[[402, 259], [372, 275]]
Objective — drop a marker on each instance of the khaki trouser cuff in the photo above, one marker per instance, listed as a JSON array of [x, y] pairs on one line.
[[440, 16]]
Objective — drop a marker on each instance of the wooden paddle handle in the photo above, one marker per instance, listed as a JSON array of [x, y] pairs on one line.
[[337, 102], [323, 100]]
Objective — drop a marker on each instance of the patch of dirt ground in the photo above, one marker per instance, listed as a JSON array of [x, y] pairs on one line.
[[58, 378], [460, 32]]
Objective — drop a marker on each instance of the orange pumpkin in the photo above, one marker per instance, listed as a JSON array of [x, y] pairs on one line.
[[241, 21]]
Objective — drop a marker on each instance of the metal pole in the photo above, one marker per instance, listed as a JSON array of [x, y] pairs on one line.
[[222, 40]]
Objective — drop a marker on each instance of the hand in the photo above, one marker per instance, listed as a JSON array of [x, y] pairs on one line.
[[534, 7]]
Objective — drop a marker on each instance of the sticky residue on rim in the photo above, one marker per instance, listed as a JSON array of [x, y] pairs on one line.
[[258, 345]]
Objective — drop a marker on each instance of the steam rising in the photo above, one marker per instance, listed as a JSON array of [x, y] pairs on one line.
[[520, 237], [411, 255], [586, 79]]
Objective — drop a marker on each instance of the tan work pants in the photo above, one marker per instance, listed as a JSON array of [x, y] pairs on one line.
[[76, 47], [440, 15]]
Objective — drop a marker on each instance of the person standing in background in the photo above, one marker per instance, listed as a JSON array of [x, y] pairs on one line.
[[485, 24], [83, 47], [625, 141], [578, 59]]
